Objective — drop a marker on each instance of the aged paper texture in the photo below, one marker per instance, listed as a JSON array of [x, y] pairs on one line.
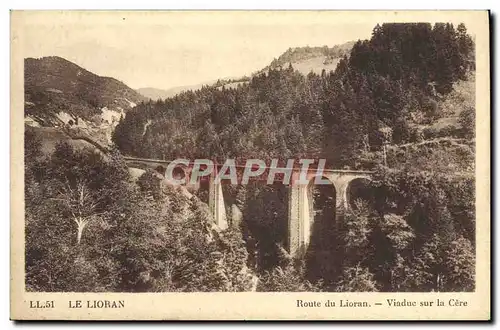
[[250, 165]]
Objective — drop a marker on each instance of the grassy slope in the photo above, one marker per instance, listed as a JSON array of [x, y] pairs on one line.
[[50, 136], [315, 59], [446, 152]]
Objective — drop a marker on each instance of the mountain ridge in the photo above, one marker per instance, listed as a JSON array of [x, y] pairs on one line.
[[303, 59], [54, 85]]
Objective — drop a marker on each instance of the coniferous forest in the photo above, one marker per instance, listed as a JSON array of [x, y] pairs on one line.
[[400, 104]]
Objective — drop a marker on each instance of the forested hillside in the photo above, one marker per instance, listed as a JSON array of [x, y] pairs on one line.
[[89, 227], [400, 104], [396, 81]]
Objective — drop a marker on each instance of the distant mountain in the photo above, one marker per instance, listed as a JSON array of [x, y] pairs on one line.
[[153, 93], [57, 89], [157, 93]]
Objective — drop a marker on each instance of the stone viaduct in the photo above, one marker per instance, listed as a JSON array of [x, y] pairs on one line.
[[300, 202]]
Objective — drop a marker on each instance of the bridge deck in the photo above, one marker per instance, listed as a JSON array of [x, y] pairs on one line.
[[167, 162]]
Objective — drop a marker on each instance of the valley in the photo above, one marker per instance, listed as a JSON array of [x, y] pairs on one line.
[[399, 106]]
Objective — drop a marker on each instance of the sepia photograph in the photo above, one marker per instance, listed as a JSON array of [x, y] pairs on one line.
[[257, 152]]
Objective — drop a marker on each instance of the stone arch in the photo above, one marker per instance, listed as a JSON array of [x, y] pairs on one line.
[[202, 189], [322, 196], [359, 188], [161, 169], [179, 173]]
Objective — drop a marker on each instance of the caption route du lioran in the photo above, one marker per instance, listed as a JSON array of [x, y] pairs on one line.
[[452, 302]]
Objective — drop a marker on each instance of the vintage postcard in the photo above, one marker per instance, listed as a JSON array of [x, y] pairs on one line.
[[250, 165]]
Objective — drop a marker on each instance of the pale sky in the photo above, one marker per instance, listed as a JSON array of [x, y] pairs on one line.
[[165, 50]]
